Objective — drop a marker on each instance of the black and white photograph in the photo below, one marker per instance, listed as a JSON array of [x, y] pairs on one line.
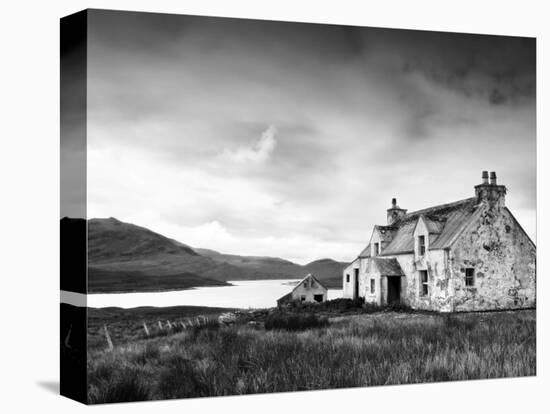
[[276, 206], [267, 207]]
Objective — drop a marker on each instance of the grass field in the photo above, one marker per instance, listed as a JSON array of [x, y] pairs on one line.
[[126, 325], [353, 350]]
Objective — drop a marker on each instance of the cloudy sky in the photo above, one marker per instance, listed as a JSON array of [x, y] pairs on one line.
[[289, 139]]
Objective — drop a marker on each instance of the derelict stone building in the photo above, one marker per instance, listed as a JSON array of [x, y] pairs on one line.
[[308, 290], [463, 256]]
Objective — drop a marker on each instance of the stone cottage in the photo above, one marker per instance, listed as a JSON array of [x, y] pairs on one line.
[[468, 255], [308, 290]]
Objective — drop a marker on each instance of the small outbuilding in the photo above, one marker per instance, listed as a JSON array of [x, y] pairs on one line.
[[308, 290]]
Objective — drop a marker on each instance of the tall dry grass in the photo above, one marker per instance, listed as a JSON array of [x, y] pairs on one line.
[[363, 350]]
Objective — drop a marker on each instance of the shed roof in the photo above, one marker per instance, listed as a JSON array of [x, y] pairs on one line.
[[285, 298], [388, 266]]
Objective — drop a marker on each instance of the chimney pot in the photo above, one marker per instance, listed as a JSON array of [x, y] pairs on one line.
[[493, 178], [394, 202], [485, 177]]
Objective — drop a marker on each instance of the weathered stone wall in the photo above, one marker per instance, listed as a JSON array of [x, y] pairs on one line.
[[439, 296], [368, 272], [347, 287], [504, 263]]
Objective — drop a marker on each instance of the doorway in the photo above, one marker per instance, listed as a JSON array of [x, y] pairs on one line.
[[394, 290], [355, 283]]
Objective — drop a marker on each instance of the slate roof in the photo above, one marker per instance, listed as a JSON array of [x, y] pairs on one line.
[[435, 224], [445, 221], [365, 252], [388, 267], [386, 232]]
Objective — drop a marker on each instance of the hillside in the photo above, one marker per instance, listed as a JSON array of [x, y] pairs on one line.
[[126, 257], [273, 267], [112, 239], [108, 281], [326, 270]]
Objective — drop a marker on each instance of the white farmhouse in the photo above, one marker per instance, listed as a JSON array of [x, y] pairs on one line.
[[468, 255]]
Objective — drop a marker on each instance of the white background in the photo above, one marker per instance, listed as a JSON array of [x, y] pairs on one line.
[[29, 158]]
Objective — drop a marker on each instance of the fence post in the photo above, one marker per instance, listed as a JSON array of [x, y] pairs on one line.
[[169, 324], [182, 324], [160, 325], [68, 336], [146, 329], [108, 337]]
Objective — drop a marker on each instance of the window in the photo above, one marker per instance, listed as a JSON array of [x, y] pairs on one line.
[[318, 298], [347, 278], [372, 285], [376, 249], [469, 277], [423, 283], [421, 245], [303, 298]]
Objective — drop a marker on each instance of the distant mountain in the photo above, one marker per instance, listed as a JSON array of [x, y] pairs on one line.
[[327, 271], [111, 239], [126, 257], [264, 267]]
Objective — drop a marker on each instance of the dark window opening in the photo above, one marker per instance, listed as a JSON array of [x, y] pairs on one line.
[[376, 249], [469, 277], [318, 298], [347, 278], [303, 298], [372, 285], [423, 282], [421, 245]]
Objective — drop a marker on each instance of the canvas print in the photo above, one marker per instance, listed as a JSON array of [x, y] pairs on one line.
[[255, 206]]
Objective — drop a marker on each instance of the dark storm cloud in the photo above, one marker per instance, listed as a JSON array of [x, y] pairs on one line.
[[499, 68], [289, 139]]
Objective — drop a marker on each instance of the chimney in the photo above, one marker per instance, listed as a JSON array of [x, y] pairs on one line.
[[489, 191], [394, 213]]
